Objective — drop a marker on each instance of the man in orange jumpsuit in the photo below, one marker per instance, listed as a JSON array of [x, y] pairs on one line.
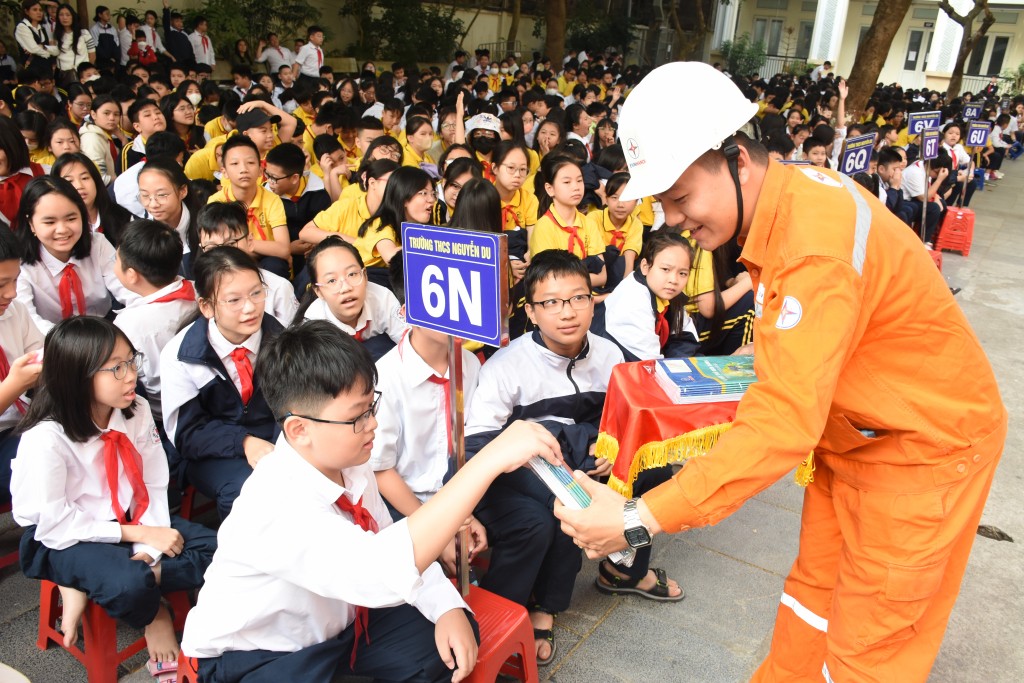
[[862, 357]]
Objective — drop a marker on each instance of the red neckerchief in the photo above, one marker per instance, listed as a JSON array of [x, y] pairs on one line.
[[240, 357], [572, 231], [117, 446], [184, 293], [618, 236], [70, 284], [362, 518], [509, 212], [250, 214], [5, 369], [661, 326]]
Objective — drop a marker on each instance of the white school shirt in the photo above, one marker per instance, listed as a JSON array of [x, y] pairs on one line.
[[126, 192], [61, 486], [281, 301], [630, 319], [291, 567], [309, 59], [412, 424], [958, 154], [276, 57], [915, 184], [153, 38], [18, 336], [150, 326], [204, 55], [125, 38], [380, 314], [38, 284]]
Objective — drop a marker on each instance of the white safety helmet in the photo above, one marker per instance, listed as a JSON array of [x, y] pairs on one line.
[[708, 105]]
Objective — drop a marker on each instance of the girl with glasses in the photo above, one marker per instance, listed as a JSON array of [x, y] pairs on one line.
[[93, 493], [213, 407], [341, 294], [180, 114]]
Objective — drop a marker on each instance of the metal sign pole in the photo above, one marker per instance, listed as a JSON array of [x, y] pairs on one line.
[[927, 199], [458, 445]]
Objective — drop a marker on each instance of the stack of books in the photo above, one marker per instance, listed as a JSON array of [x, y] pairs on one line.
[[706, 379]]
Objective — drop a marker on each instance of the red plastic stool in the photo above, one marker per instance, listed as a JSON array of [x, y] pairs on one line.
[[11, 557], [506, 639], [936, 258], [188, 669], [188, 504], [101, 656]]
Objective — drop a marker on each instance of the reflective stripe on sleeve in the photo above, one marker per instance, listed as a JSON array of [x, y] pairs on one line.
[[805, 614], [863, 224]]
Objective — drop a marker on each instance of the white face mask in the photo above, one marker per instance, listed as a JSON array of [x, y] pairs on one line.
[[552, 91], [195, 98], [504, 70], [142, 44], [32, 146], [494, 70]]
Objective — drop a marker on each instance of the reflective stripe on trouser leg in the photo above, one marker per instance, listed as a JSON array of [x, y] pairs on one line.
[[825, 675], [899, 574], [799, 639]]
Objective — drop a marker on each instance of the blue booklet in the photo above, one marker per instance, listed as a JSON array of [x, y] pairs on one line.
[[705, 379]]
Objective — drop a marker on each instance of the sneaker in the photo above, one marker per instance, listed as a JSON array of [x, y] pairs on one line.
[[998, 175]]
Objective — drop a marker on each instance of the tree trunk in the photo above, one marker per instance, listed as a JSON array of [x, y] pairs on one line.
[[685, 45], [968, 42], [554, 41], [872, 53], [513, 28]]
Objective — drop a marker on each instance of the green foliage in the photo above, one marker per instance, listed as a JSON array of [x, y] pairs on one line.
[[252, 20], [798, 67], [403, 30], [10, 15], [744, 56], [591, 28], [1016, 80]]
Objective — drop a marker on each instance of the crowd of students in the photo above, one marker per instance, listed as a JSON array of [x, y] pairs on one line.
[[217, 273]]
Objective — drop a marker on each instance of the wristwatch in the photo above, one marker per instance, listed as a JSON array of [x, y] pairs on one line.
[[637, 535]]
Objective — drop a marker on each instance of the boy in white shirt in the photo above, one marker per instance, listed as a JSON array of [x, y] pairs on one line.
[[223, 223], [148, 261], [309, 539], [412, 451], [20, 339]]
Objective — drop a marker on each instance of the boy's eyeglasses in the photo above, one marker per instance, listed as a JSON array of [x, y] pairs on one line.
[[236, 303], [358, 424], [120, 371], [334, 284], [229, 243], [577, 303], [276, 179]]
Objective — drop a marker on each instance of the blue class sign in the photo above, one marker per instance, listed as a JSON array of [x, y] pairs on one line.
[[918, 121], [971, 111], [857, 155], [456, 282], [977, 133], [930, 144]]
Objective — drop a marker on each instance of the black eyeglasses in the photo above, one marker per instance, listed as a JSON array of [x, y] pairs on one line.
[[358, 424], [577, 303]]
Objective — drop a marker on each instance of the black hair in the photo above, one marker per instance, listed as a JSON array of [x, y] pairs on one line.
[[137, 107], [152, 249], [396, 278], [33, 121], [58, 125], [380, 142], [615, 183], [552, 263], [442, 161], [210, 266], [47, 104], [76, 349], [172, 171], [241, 70], [611, 158], [10, 246], [113, 217], [506, 147], [404, 183], [812, 142], [325, 144], [478, 208], [374, 169], [76, 29], [308, 365], [216, 217], [13, 144], [36, 189], [414, 123], [548, 122], [888, 155], [238, 141], [369, 123], [164, 143], [289, 157]]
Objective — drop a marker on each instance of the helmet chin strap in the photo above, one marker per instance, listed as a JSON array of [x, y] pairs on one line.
[[731, 149]]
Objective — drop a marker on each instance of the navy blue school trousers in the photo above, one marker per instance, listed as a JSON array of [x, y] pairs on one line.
[[124, 587], [401, 649], [219, 479], [8, 450]]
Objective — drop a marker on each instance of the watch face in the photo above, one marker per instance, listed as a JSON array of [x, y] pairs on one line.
[[638, 537]]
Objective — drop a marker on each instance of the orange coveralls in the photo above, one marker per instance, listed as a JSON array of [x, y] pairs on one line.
[[863, 357]]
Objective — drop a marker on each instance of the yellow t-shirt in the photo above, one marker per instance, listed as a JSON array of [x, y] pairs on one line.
[[702, 276], [367, 244], [301, 115], [628, 238], [645, 211], [411, 157], [520, 211], [549, 233], [344, 216], [203, 164], [43, 156], [265, 213], [215, 128]]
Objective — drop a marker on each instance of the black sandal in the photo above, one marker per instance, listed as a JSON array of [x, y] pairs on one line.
[[548, 635], [617, 585]]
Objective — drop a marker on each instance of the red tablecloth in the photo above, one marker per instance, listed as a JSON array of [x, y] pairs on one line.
[[641, 428]]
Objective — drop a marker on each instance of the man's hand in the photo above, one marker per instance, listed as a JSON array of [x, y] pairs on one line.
[[456, 643], [599, 528]]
